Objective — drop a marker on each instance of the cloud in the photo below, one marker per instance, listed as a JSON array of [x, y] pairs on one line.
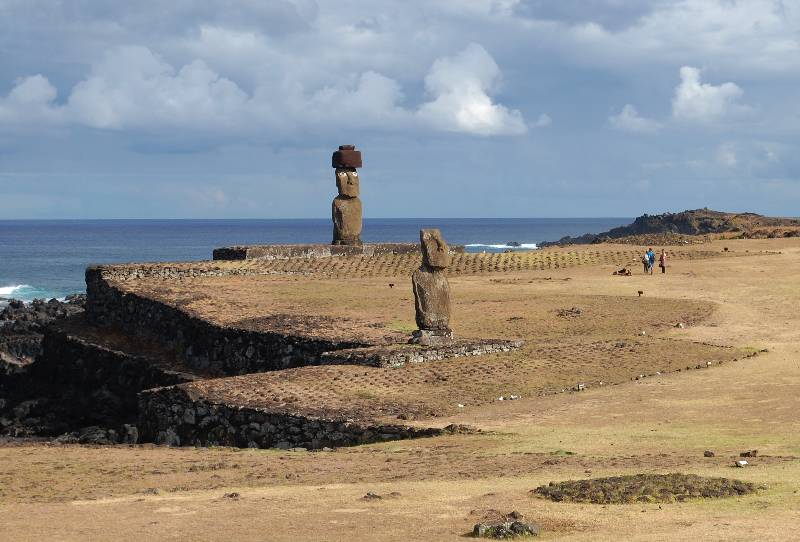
[[134, 89], [628, 120], [133, 94], [31, 99], [460, 87], [756, 36], [369, 100], [702, 102]]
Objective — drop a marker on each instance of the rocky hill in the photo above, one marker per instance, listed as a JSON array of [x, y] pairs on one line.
[[690, 226]]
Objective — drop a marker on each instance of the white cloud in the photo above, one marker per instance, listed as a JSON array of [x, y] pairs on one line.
[[629, 120], [132, 88], [370, 100], [460, 87], [755, 36], [30, 100], [702, 102]]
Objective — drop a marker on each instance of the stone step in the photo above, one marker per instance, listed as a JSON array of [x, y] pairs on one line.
[[399, 355]]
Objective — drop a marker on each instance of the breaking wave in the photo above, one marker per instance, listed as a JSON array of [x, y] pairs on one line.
[[26, 292]]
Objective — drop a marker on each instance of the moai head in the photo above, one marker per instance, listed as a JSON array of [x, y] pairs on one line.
[[347, 182], [434, 250]]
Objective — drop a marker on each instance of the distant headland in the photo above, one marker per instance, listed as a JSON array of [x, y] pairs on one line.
[[690, 226]]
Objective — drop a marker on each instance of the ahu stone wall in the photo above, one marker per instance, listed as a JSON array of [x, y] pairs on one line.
[[172, 416], [284, 252], [208, 348], [88, 384]]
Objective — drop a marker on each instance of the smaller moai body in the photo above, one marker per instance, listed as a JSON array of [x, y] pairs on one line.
[[432, 291], [346, 209]]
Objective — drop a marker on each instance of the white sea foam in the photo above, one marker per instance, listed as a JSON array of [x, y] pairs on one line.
[[26, 293], [7, 291], [528, 246]]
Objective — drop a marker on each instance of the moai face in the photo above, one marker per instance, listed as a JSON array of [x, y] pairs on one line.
[[347, 182], [434, 250]]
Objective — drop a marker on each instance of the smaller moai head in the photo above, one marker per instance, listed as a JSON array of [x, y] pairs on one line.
[[347, 182], [346, 157], [435, 254]]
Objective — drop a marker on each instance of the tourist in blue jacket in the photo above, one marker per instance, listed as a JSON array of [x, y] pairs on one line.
[[651, 256]]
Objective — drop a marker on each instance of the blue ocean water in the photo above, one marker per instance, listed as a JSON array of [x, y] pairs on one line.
[[47, 258]]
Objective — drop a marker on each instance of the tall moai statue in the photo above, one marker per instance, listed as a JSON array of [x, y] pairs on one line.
[[346, 209], [432, 291]]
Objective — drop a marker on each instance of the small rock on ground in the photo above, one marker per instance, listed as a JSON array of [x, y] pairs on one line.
[[510, 526]]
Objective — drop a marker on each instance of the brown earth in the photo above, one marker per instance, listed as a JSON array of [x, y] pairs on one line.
[[436, 489]]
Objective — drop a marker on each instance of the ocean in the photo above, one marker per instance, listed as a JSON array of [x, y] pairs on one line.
[[47, 258]]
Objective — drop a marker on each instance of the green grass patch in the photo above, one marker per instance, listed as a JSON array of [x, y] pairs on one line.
[[401, 326]]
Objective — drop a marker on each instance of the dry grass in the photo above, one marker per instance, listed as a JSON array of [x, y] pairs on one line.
[[444, 485], [608, 339]]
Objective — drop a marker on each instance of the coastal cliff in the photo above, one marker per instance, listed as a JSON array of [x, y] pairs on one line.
[[676, 227]]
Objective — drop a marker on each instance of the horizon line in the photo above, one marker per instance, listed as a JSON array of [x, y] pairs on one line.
[[321, 218]]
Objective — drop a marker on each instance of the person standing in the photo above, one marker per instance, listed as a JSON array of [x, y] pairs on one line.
[[662, 261], [646, 262], [651, 256]]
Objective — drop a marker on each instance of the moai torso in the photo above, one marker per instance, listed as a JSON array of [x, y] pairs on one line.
[[346, 209], [432, 291]]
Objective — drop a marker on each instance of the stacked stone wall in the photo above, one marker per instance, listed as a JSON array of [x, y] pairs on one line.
[[172, 416], [203, 346], [285, 252], [90, 384], [397, 357]]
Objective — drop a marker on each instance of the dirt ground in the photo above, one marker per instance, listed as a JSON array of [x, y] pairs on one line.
[[437, 488]]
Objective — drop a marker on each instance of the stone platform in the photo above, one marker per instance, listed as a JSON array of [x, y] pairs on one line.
[[284, 252], [246, 323], [200, 353], [313, 350], [393, 356]]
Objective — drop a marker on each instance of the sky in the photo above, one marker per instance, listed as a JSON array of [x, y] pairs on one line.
[[461, 108]]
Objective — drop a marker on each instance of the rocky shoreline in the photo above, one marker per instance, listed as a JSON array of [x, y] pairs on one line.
[[22, 326], [26, 411]]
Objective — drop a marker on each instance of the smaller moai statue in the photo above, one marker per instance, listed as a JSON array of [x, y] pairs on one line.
[[346, 208], [432, 291]]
